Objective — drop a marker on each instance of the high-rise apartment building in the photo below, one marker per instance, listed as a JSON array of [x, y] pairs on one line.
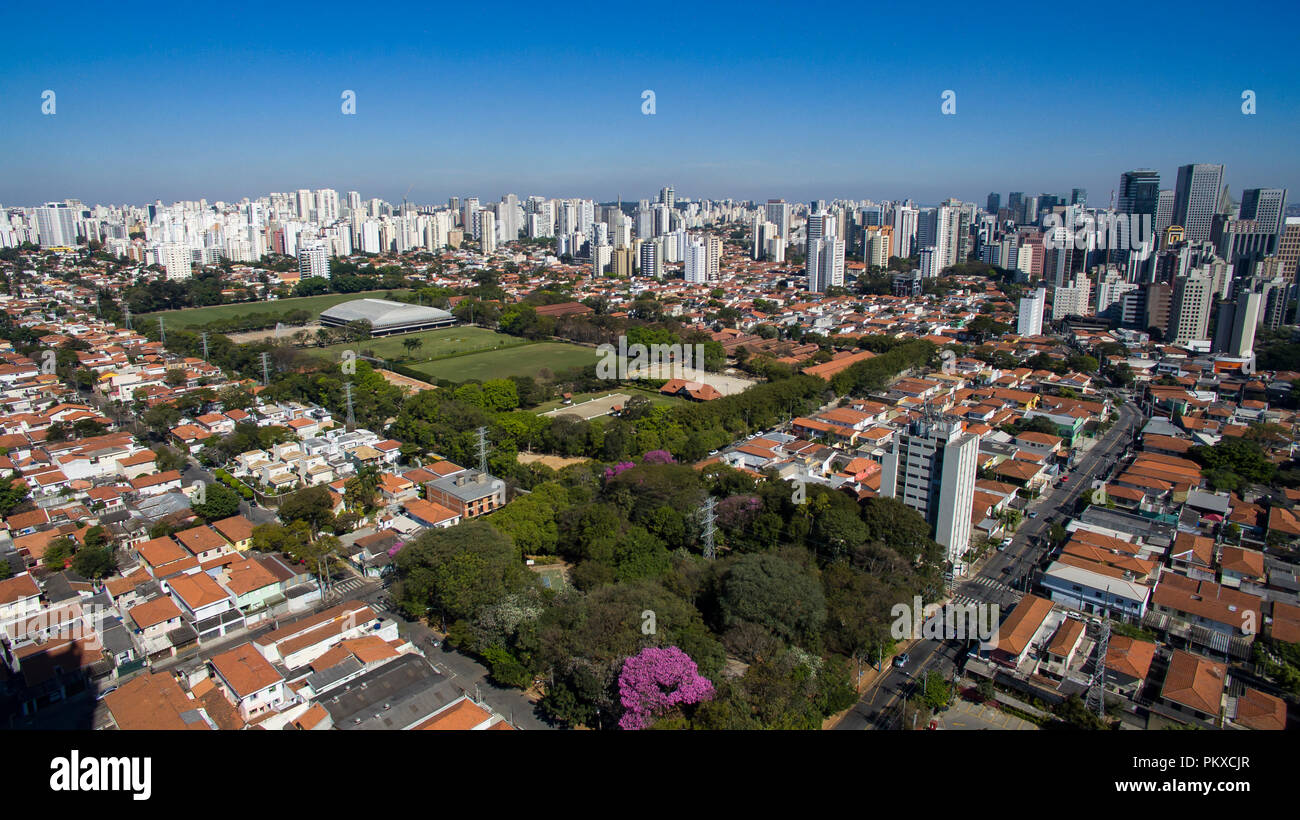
[[1189, 308], [932, 469], [650, 259], [487, 230], [313, 259], [905, 225], [1030, 321], [55, 225]]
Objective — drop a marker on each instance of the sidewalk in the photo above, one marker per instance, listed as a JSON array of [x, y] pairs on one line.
[[964, 715]]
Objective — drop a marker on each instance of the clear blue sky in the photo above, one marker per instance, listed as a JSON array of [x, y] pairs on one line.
[[754, 100]]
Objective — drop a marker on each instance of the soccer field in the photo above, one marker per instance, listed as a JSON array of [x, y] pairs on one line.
[[521, 360], [193, 317], [435, 344]]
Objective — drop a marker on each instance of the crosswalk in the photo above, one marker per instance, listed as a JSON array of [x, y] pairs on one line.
[[990, 589], [342, 588]]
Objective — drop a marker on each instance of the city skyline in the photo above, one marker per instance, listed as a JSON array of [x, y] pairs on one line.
[[553, 103]]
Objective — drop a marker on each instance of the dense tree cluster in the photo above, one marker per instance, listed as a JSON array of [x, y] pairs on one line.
[[799, 594]]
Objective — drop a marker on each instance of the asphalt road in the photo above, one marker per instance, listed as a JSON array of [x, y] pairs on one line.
[[881, 706]]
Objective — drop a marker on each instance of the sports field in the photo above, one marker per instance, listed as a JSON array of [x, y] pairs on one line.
[[192, 317], [434, 344], [520, 360]]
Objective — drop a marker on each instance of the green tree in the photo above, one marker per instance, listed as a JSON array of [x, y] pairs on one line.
[[95, 562], [219, 502], [311, 505], [774, 593], [57, 553]]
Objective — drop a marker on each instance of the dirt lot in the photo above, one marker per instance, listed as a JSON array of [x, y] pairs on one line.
[[286, 333], [554, 462], [592, 408], [414, 385], [724, 384]]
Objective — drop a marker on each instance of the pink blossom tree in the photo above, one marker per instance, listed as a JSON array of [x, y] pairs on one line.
[[656, 680]]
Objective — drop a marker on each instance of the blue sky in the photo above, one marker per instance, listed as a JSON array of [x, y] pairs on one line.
[[753, 100]]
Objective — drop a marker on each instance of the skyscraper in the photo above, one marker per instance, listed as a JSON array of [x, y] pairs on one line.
[[1164, 211], [778, 213], [1196, 199], [1139, 192], [994, 203], [1030, 322], [932, 468], [1266, 206]]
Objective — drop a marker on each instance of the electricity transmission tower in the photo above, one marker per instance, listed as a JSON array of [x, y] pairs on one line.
[[205, 345], [1097, 685], [482, 450], [709, 527], [162, 331], [347, 396], [266, 369]]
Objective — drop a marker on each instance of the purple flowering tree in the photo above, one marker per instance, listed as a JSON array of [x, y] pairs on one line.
[[658, 457], [620, 467], [737, 511], [656, 680]]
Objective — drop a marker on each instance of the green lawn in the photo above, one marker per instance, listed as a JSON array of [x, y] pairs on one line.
[[521, 360], [192, 317], [437, 344]]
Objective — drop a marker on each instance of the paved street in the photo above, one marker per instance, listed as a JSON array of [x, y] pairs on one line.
[[880, 707]]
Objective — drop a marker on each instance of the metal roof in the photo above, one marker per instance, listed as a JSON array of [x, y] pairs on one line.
[[382, 313]]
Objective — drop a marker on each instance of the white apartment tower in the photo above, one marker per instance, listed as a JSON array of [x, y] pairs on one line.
[[313, 259], [1030, 322], [932, 469]]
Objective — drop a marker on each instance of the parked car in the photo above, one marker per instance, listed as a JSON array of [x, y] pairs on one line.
[[1033, 514], [900, 661]]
